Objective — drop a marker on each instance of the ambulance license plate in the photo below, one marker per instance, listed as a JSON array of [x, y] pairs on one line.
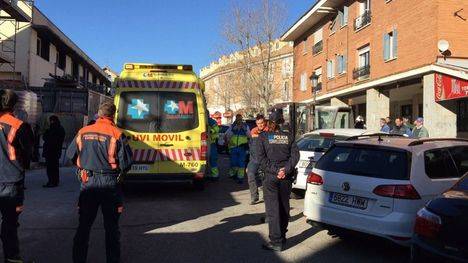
[[140, 168]]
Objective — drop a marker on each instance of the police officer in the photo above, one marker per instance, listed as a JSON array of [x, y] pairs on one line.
[[214, 135], [278, 156], [102, 155], [15, 150]]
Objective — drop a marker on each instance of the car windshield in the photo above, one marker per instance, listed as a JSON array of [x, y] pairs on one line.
[[367, 161], [317, 143], [158, 111]]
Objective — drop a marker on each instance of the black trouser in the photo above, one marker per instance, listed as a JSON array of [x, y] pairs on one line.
[[111, 206], [276, 195], [252, 169], [53, 170], [9, 232]]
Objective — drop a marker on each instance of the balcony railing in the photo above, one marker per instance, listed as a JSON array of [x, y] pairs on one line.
[[361, 72], [363, 20], [317, 48]]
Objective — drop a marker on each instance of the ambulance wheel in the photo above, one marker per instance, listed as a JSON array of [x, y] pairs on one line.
[[199, 185]]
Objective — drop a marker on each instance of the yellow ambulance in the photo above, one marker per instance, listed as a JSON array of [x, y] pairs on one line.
[[162, 111]]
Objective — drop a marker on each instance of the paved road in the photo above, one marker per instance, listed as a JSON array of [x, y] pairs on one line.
[[177, 224]]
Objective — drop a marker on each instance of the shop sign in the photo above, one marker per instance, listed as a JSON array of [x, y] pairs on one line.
[[449, 88]]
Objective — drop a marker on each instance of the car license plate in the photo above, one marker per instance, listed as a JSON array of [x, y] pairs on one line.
[[348, 200]]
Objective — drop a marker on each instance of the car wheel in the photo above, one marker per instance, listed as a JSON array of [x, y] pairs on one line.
[[418, 255], [297, 194]]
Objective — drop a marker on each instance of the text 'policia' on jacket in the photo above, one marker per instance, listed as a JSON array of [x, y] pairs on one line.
[[13, 149], [101, 149]]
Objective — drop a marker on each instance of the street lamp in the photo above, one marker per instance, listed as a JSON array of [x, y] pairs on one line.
[[314, 82]]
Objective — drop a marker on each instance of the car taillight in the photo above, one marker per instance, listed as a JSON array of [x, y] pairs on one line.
[[406, 191], [315, 179], [204, 146], [427, 224]]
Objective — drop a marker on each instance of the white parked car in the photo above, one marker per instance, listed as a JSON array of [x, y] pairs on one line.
[[376, 185], [312, 146]]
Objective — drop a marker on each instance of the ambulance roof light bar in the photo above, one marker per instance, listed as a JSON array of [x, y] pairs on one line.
[[158, 67]]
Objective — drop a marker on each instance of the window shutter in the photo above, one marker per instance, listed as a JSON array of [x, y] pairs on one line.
[[386, 46], [344, 63], [329, 69], [395, 43], [345, 15]]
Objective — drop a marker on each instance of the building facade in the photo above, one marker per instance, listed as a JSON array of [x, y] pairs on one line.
[[383, 58], [35, 49], [227, 90]]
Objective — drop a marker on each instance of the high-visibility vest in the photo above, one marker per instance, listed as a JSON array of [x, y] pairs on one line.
[[238, 138]]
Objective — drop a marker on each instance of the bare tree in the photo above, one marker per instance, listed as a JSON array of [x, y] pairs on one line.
[[251, 30]]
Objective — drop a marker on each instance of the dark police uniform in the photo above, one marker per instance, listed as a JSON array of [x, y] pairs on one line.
[[277, 150], [101, 153], [15, 151]]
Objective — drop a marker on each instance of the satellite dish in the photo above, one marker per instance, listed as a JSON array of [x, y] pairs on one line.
[[443, 45]]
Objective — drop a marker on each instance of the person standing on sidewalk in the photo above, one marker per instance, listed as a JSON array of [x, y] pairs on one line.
[[278, 155], [52, 150], [214, 136], [238, 141], [419, 130], [102, 155], [253, 166], [15, 148]]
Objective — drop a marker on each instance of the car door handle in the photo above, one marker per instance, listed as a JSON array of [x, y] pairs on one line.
[[167, 144]]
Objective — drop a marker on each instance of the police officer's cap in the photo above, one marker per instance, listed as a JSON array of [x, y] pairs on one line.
[[276, 117]]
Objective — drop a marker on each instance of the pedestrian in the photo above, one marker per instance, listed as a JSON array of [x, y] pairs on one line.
[[360, 124], [383, 126], [52, 150], [15, 146], [407, 123], [102, 156], [254, 165], [214, 136], [278, 156], [389, 123], [399, 129], [419, 130], [237, 137]]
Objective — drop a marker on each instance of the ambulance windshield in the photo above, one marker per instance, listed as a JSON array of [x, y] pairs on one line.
[[157, 111]]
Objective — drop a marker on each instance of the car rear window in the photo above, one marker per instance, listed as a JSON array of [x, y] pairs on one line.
[[366, 161], [158, 111], [446, 162], [317, 143]]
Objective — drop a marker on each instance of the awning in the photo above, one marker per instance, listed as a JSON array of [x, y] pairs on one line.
[[448, 88]]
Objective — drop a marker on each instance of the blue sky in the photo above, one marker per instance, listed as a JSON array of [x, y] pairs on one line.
[[113, 32]]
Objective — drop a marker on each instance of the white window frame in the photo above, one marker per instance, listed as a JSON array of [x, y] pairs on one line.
[[318, 72], [361, 52], [304, 46], [330, 68], [389, 42], [364, 6], [318, 35], [39, 47]]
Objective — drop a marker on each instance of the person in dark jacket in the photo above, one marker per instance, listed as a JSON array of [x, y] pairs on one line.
[[52, 150], [278, 155], [400, 129], [102, 155], [15, 151], [252, 167]]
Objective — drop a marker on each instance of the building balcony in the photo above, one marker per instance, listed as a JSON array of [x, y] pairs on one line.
[[361, 72], [317, 48], [362, 21]]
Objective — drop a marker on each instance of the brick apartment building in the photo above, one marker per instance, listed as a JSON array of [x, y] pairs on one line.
[[223, 76], [382, 58]]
